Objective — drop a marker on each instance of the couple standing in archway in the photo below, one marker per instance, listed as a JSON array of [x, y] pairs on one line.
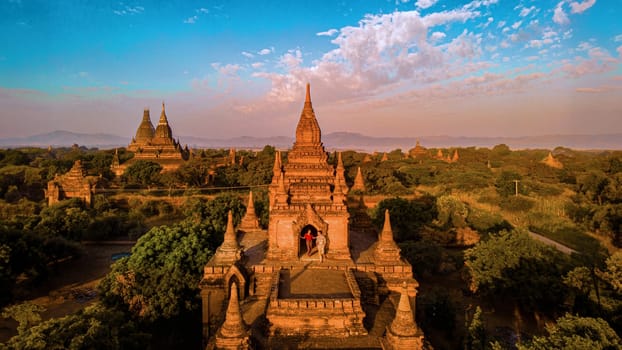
[[320, 242]]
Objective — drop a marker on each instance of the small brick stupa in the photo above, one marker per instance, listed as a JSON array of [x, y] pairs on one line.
[[234, 333], [551, 161], [249, 221], [386, 248], [403, 332], [359, 183]]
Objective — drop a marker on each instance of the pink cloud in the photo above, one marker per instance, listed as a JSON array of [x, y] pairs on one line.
[[580, 7], [559, 15]]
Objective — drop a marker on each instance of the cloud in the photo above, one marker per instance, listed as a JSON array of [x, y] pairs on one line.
[[437, 36], [247, 54], [559, 16], [83, 74], [191, 19], [424, 4], [202, 10], [266, 51], [525, 11], [516, 24], [228, 70], [580, 7], [257, 65], [619, 49], [329, 32], [380, 53], [617, 38], [444, 17], [548, 37], [591, 90], [597, 61], [129, 10]]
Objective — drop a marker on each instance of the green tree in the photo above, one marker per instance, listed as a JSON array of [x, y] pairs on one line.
[[94, 327], [159, 280], [451, 212], [576, 333], [407, 216], [193, 173], [512, 265], [613, 272], [424, 256], [477, 331], [593, 185], [143, 172], [505, 183], [68, 219], [26, 314]]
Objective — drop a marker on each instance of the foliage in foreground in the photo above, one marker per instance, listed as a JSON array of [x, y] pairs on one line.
[[575, 333], [160, 279], [512, 265], [94, 327]]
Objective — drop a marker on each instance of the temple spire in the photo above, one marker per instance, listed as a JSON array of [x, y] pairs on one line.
[[359, 183], [233, 334], [230, 240], [386, 249], [276, 169], [339, 162], [404, 322], [249, 221], [387, 232], [308, 130], [163, 119], [308, 95]]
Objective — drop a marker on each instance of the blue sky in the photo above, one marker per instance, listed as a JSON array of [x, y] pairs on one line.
[[402, 68]]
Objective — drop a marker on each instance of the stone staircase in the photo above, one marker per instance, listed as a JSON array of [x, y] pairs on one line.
[[368, 284]]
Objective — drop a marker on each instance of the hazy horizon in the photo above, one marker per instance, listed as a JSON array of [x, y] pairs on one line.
[[485, 68]]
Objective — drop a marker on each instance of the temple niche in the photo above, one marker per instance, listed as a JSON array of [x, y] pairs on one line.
[[154, 144], [289, 297], [74, 184]]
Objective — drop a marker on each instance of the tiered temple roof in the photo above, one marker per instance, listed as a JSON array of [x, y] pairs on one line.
[[74, 184], [156, 145], [307, 191]]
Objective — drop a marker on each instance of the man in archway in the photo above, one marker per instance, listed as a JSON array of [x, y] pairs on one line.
[[321, 244]]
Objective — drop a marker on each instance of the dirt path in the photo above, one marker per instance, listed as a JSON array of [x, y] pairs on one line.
[[71, 286], [562, 248]]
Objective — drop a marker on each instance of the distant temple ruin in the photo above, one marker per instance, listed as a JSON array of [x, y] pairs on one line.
[[288, 295], [74, 184], [553, 162], [154, 144]]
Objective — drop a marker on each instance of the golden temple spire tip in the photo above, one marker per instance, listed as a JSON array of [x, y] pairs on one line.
[[308, 96]]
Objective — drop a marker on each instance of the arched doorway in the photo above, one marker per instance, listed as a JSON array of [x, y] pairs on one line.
[[302, 246]]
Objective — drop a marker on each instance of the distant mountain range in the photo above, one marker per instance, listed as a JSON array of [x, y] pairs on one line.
[[336, 140]]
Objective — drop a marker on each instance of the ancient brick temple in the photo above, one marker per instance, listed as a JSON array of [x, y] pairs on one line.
[[288, 297], [74, 184], [154, 144]]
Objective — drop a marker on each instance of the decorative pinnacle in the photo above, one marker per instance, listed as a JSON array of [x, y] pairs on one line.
[[404, 322], [387, 232], [339, 161], [251, 205], [230, 236], [308, 97], [233, 326]]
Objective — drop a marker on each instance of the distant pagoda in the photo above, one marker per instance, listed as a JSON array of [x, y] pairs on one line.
[[154, 144]]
